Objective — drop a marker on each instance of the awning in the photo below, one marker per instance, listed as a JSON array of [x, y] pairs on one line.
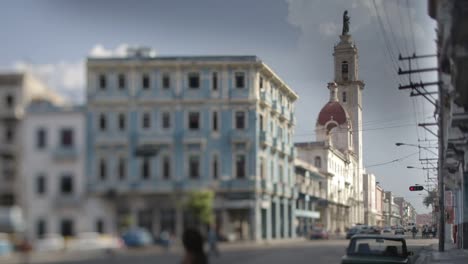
[[308, 214]]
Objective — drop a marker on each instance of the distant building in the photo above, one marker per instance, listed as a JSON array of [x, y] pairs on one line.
[[312, 201], [53, 183], [161, 127], [17, 90], [337, 151], [370, 205], [424, 219], [391, 210], [379, 198]]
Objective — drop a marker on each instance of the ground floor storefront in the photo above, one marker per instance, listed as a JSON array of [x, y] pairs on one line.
[[237, 216]]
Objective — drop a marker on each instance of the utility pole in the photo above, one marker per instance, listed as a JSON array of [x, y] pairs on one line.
[[441, 171]]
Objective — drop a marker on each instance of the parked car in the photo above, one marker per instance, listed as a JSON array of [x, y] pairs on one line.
[[93, 241], [50, 242], [5, 245], [352, 231], [374, 230], [138, 237], [399, 231], [376, 249], [387, 229], [318, 233]]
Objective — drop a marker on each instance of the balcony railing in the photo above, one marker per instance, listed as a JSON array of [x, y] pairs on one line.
[[65, 153], [274, 106]]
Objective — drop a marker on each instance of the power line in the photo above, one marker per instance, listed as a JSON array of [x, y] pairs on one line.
[[369, 129], [392, 161]]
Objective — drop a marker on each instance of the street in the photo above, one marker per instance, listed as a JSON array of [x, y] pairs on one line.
[[317, 251]]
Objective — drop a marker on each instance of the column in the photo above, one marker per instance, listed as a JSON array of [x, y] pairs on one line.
[[268, 220]]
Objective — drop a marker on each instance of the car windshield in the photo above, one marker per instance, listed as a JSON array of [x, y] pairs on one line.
[[377, 247]]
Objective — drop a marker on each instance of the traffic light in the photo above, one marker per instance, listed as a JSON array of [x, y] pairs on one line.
[[416, 188]]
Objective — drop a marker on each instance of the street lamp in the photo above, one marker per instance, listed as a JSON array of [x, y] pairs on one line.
[[398, 144], [412, 167]]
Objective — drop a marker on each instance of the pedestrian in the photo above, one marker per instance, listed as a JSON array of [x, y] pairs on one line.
[[213, 241], [414, 231], [193, 245]]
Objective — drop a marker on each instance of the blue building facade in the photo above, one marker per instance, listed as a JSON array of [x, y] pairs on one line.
[[160, 127]]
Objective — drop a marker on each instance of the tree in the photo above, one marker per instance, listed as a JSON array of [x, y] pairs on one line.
[[200, 204], [430, 198]]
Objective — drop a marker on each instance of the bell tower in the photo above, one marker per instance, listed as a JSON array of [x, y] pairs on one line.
[[349, 87]]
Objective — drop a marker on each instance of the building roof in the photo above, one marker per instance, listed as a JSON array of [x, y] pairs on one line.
[[332, 111], [204, 58]]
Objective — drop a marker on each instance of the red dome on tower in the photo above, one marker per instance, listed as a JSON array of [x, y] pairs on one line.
[[332, 111]]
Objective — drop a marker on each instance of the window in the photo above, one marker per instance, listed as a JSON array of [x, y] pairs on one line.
[[260, 84], [166, 81], [344, 70], [122, 123], [121, 81], [261, 122], [102, 122], [166, 166], [100, 226], [240, 119], [194, 120], [102, 82], [262, 168], [102, 169], [9, 135], [41, 139], [318, 162], [214, 81], [66, 138], [239, 79], [215, 122], [41, 228], [145, 169], [280, 173], [67, 228], [9, 101], [146, 121], [41, 184], [240, 166], [215, 167], [194, 80], [344, 97], [194, 167], [166, 120], [122, 169], [145, 81], [66, 185]]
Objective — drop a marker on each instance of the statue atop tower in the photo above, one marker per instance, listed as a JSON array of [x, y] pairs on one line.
[[345, 23]]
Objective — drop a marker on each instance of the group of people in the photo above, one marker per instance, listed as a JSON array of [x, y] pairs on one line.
[[427, 231]]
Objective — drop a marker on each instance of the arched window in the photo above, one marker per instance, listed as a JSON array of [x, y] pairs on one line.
[[318, 162], [343, 96], [344, 70]]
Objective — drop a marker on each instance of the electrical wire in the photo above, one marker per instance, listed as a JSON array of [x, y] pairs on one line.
[[392, 161]]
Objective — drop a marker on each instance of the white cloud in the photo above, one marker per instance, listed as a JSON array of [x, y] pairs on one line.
[[66, 78], [328, 29]]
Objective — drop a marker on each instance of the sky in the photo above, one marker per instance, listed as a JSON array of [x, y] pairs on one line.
[[52, 38]]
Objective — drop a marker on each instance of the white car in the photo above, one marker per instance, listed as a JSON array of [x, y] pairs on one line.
[[50, 242]]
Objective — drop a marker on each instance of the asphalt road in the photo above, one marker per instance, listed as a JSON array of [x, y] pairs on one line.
[[327, 252]]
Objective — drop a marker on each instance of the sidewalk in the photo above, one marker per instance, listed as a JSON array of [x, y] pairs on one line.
[[451, 255]]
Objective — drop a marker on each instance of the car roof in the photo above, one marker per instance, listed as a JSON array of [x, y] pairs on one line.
[[378, 236]]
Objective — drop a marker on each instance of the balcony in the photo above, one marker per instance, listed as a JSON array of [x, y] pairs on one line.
[[67, 201], [283, 111], [274, 106], [238, 184], [264, 99], [292, 119], [65, 153], [275, 144], [239, 136], [265, 139], [265, 185]]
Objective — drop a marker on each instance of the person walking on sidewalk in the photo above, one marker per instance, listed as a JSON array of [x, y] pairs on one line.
[[213, 241], [414, 231], [193, 245]]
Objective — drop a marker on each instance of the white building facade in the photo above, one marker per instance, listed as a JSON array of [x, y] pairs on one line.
[[53, 184], [370, 201], [337, 151]]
